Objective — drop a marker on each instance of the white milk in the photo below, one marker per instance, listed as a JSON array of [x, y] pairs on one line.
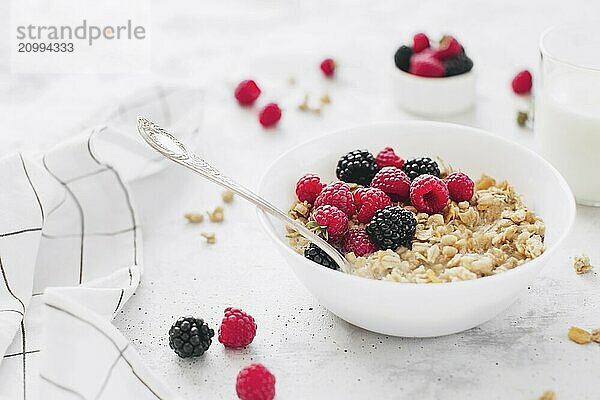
[[567, 130]]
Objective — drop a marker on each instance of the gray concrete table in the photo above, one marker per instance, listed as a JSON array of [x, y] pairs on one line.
[[517, 355]]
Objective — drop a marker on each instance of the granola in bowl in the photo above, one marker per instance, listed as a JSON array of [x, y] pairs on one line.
[[410, 221]]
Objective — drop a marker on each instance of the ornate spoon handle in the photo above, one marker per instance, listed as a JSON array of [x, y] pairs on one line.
[[170, 147]]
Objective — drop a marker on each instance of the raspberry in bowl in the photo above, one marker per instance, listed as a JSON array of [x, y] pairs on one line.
[[401, 248], [434, 78]]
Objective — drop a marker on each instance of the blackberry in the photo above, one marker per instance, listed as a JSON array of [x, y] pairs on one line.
[[402, 58], [420, 166], [392, 227], [190, 337], [357, 166], [458, 65], [318, 255]]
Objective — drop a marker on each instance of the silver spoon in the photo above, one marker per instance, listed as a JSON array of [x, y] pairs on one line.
[[170, 147]]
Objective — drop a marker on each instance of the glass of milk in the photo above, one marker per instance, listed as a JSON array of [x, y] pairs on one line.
[[567, 106]]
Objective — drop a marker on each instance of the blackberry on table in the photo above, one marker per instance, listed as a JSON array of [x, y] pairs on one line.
[[420, 166], [358, 166], [461, 64], [402, 57], [392, 227], [318, 255], [190, 337]]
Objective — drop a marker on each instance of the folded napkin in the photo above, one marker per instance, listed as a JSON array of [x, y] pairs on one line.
[[71, 257]]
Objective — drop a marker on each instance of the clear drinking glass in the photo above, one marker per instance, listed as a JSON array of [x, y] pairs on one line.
[[567, 106]]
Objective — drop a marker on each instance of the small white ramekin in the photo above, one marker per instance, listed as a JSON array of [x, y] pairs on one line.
[[435, 97]]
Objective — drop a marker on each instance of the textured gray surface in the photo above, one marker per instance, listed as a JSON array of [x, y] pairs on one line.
[[517, 355]]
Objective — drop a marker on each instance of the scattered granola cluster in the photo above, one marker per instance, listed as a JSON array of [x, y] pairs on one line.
[[216, 216], [491, 233], [581, 336], [548, 395], [582, 264]]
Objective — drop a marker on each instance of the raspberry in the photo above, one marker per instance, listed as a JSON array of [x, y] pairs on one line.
[[449, 47], [255, 382], [328, 67], [330, 219], [357, 166], [419, 166], [394, 182], [392, 227], [270, 115], [402, 57], [368, 201], [247, 92], [458, 65], [337, 194], [237, 328], [426, 65], [522, 82], [358, 242], [190, 337], [420, 42], [308, 188], [428, 194], [387, 158], [460, 186], [318, 255]]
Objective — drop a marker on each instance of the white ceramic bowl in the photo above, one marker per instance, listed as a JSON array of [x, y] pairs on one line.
[[435, 97], [409, 309]]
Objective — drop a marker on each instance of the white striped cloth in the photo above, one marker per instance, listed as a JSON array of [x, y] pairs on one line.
[[70, 257]]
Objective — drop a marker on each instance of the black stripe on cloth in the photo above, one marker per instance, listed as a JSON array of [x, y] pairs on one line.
[[15, 311], [111, 340], [66, 389], [79, 209], [109, 373], [120, 300], [8, 286], [125, 192], [21, 353], [24, 360], [20, 231], [32, 187]]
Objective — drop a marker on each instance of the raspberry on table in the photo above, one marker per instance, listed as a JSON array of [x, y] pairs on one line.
[[428, 194], [461, 64], [308, 188], [190, 337], [337, 194], [449, 47], [394, 182], [368, 201], [247, 92], [269, 115], [328, 67], [460, 187], [357, 166], [388, 158], [237, 328], [357, 241], [392, 227], [419, 166], [318, 255], [522, 82], [402, 57], [331, 220], [425, 64], [420, 42], [255, 382]]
